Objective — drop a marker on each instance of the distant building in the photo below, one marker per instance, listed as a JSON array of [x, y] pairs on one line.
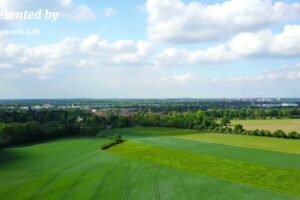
[[270, 105], [79, 119], [289, 105]]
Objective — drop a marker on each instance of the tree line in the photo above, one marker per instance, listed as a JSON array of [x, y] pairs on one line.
[[21, 127], [204, 122], [254, 113]]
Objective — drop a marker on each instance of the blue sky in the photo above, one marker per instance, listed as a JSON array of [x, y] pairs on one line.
[[153, 49]]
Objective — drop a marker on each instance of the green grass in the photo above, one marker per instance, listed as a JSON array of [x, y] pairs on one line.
[[286, 125], [271, 158], [235, 171], [264, 143], [152, 164]]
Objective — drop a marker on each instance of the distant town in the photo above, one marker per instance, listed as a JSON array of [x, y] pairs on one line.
[[136, 105]]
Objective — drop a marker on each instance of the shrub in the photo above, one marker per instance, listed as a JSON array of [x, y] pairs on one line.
[[101, 134], [222, 129], [225, 121], [279, 134], [292, 135], [255, 132], [228, 130], [238, 128], [117, 139], [248, 132], [262, 133], [114, 141], [268, 133], [217, 129]]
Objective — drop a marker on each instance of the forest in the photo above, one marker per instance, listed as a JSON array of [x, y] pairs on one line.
[[21, 127]]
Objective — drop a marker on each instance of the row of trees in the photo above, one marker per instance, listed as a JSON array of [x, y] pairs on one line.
[[29, 132], [202, 121], [254, 113], [187, 120], [238, 129], [42, 116], [21, 127], [65, 116], [27, 127], [33, 126]]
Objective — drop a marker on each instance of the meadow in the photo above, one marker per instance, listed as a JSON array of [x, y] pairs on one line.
[[153, 163], [286, 125]]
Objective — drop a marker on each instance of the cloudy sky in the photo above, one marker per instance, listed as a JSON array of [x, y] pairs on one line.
[[152, 48]]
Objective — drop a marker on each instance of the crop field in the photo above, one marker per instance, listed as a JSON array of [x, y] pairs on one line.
[[286, 125], [153, 163]]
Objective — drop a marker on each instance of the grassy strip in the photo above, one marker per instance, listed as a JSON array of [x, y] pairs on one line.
[[264, 143], [271, 178], [286, 125], [115, 140]]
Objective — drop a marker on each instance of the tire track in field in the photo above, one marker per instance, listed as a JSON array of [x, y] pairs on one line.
[[156, 187], [12, 190], [60, 171], [129, 181], [127, 188], [73, 163], [76, 182], [100, 186], [185, 188], [103, 180], [44, 186], [70, 190]]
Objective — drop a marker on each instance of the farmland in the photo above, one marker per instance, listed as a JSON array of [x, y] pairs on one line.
[[153, 163], [286, 125]]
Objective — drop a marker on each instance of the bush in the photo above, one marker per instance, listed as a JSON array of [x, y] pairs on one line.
[[248, 132], [268, 133], [115, 140], [279, 134], [217, 129], [225, 121], [292, 135], [238, 128], [255, 132], [101, 134], [228, 130], [262, 133], [222, 129], [212, 128]]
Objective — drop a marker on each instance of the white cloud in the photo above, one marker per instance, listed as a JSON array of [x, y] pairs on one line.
[[41, 72], [67, 8], [245, 45], [177, 22], [293, 75], [92, 52], [108, 12], [121, 52], [183, 78], [143, 49], [5, 66], [281, 74]]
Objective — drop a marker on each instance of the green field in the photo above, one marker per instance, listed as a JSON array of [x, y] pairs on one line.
[[286, 125], [270, 144], [153, 163]]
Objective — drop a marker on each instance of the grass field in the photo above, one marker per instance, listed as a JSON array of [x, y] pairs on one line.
[[153, 163], [272, 125], [270, 144]]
